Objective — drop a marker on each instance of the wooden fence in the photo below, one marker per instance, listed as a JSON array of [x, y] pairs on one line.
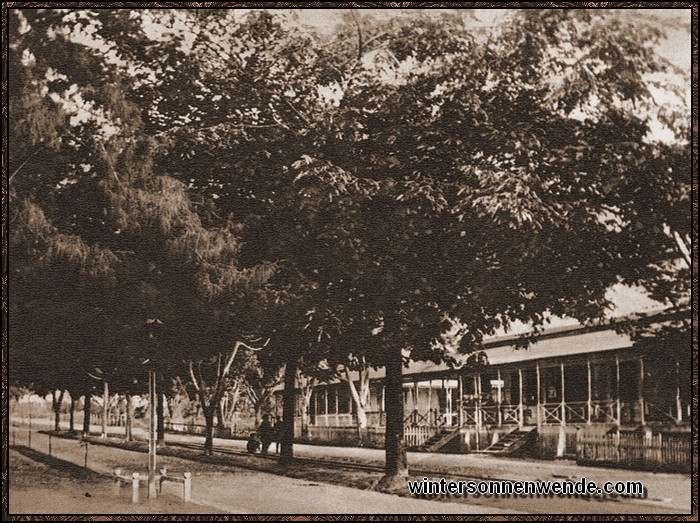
[[219, 432], [113, 420], [416, 436], [669, 451], [344, 436], [371, 436]]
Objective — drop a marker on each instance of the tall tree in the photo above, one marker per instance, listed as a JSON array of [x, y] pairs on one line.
[[407, 172], [137, 225], [396, 174], [485, 200]]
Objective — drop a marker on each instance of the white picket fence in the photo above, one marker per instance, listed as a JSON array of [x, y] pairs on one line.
[[416, 436], [649, 450]]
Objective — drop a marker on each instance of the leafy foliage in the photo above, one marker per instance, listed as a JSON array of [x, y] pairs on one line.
[[348, 196]]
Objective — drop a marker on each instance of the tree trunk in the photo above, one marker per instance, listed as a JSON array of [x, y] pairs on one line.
[[209, 430], [71, 426], [360, 400], [160, 424], [128, 436], [361, 416], [258, 412], [232, 402], [288, 405], [86, 413], [220, 417], [396, 468], [57, 401], [105, 408], [307, 392]]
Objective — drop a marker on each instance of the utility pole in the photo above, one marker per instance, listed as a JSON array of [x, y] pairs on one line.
[[152, 433], [153, 325]]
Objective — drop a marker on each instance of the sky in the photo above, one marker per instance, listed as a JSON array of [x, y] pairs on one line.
[[676, 23]]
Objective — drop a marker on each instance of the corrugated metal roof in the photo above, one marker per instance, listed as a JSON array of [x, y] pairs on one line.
[[584, 343], [560, 346], [557, 342]]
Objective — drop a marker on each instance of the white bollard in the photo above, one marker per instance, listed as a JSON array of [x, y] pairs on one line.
[[117, 480], [163, 476], [135, 487], [561, 443], [187, 486]]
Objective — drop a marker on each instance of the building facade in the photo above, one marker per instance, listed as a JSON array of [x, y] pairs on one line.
[[569, 381]]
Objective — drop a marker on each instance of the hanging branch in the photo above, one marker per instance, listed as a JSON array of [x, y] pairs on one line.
[[24, 163]]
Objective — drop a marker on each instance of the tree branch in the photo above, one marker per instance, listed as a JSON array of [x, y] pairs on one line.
[[306, 121], [359, 35], [683, 247], [227, 367], [255, 349], [194, 380], [353, 389], [203, 389]]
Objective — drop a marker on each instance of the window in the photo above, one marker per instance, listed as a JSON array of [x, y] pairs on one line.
[[550, 385], [576, 383], [629, 380], [332, 399], [603, 379], [529, 387], [320, 394], [345, 402]]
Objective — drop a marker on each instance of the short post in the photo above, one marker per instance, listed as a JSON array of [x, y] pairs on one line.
[[163, 475], [648, 453], [49, 443], [117, 480], [561, 443], [187, 486], [87, 444], [29, 438], [135, 487]]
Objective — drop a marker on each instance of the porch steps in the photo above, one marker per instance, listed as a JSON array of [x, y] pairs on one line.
[[513, 441], [439, 440]]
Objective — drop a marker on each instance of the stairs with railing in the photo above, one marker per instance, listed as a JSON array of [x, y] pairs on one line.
[[512, 442], [439, 441]]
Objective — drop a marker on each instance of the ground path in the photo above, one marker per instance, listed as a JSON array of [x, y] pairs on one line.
[[215, 489], [667, 493]]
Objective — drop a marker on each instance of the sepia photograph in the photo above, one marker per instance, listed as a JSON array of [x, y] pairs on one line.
[[409, 259]]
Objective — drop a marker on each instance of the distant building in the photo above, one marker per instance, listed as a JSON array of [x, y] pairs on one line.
[[569, 379]]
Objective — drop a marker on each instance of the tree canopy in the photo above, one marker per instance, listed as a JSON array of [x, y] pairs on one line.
[[346, 195]]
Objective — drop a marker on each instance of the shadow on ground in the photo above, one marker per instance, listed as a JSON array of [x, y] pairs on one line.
[[66, 467]]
